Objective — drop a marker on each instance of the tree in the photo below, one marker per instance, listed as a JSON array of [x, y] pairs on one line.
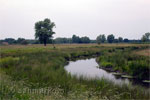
[[85, 39], [10, 40], [76, 39], [101, 39], [146, 37], [19, 40], [44, 30], [116, 41], [63, 40], [110, 38], [126, 40], [24, 42], [120, 39]]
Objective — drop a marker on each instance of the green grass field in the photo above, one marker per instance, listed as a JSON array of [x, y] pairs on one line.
[[27, 70]]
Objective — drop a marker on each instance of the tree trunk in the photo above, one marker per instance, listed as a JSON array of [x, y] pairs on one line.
[[53, 44], [44, 42]]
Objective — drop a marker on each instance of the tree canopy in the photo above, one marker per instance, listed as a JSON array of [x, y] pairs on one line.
[[76, 39], [110, 38], [120, 39], [85, 39], [101, 39], [146, 37], [44, 30]]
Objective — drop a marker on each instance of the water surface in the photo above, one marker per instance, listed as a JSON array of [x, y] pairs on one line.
[[88, 68]]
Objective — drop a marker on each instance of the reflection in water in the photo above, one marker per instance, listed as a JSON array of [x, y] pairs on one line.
[[87, 68]]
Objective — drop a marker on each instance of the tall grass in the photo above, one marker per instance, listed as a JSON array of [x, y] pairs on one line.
[[125, 61], [44, 68]]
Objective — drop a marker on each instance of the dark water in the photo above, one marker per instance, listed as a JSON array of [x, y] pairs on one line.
[[88, 68]]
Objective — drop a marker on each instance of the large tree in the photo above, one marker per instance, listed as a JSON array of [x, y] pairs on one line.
[[44, 30], [101, 39], [110, 38]]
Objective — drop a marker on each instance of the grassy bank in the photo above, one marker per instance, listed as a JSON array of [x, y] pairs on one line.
[[125, 60], [38, 67]]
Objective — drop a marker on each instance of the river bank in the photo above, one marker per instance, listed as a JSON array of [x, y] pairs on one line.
[[124, 61]]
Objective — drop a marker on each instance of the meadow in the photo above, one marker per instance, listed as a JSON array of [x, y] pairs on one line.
[[36, 67]]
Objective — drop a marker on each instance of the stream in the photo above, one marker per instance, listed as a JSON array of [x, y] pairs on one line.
[[88, 68]]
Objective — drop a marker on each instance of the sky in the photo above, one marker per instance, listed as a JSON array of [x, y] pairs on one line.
[[126, 18]]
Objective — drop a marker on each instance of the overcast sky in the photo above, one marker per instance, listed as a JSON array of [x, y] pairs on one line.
[[125, 18]]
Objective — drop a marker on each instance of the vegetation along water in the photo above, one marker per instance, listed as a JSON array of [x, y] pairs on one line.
[[37, 72]]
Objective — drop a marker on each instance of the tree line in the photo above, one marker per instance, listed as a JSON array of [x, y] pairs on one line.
[[79, 40], [44, 34]]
